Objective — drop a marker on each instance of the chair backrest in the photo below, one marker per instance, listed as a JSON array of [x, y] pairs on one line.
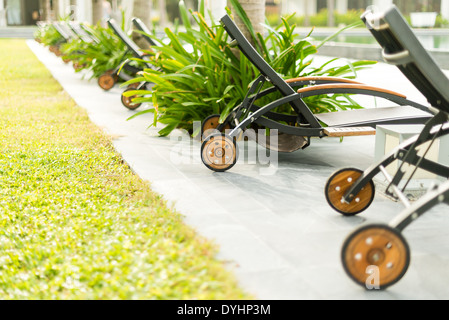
[[61, 31], [89, 32], [402, 48], [266, 70], [132, 46], [80, 32], [67, 30], [251, 53], [142, 27]]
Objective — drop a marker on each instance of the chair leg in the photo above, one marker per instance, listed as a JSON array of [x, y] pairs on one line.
[[411, 157], [406, 152], [430, 199]]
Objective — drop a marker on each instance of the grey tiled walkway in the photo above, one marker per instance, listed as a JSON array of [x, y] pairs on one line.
[[275, 231]]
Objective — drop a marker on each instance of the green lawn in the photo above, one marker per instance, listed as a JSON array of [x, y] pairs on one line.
[[75, 222]]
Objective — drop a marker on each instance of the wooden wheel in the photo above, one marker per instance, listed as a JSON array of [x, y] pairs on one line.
[[106, 81], [54, 49], [57, 52], [112, 73], [337, 186], [210, 124], [219, 152], [127, 101], [379, 248], [134, 85], [78, 66]]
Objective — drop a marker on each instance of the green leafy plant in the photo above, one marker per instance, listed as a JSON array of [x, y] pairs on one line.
[[48, 36], [98, 57], [209, 78], [441, 22], [319, 19], [292, 57], [193, 83], [75, 51]]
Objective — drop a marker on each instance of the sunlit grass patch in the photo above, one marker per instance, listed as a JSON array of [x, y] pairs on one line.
[[75, 222]]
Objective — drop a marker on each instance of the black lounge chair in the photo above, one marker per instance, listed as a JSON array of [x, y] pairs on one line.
[[304, 124], [66, 37], [81, 33], [144, 31], [67, 30], [62, 31], [351, 191], [137, 53], [108, 79], [89, 32], [127, 101], [72, 31]]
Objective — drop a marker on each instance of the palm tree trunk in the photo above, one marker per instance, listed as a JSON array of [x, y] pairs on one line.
[[306, 14], [55, 9], [141, 10], [162, 5], [44, 5], [97, 11], [255, 10], [2, 13], [330, 13]]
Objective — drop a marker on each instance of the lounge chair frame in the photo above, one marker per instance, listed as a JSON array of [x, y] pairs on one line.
[[86, 29], [82, 33], [137, 53], [67, 30], [61, 30], [319, 86], [144, 31], [304, 123], [66, 38], [420, 68], [131, 46], [401, 48], [108, 79]]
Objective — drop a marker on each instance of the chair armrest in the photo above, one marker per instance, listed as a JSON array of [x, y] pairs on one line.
[[347, 88], [319, 80]]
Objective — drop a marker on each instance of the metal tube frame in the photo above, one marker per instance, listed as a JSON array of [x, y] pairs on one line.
[[305, 122], [407, 152], [432, 198], [264, 115]]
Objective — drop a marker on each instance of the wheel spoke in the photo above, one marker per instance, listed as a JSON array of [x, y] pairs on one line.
[[218, 152], [338, 185], [376, 246]]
